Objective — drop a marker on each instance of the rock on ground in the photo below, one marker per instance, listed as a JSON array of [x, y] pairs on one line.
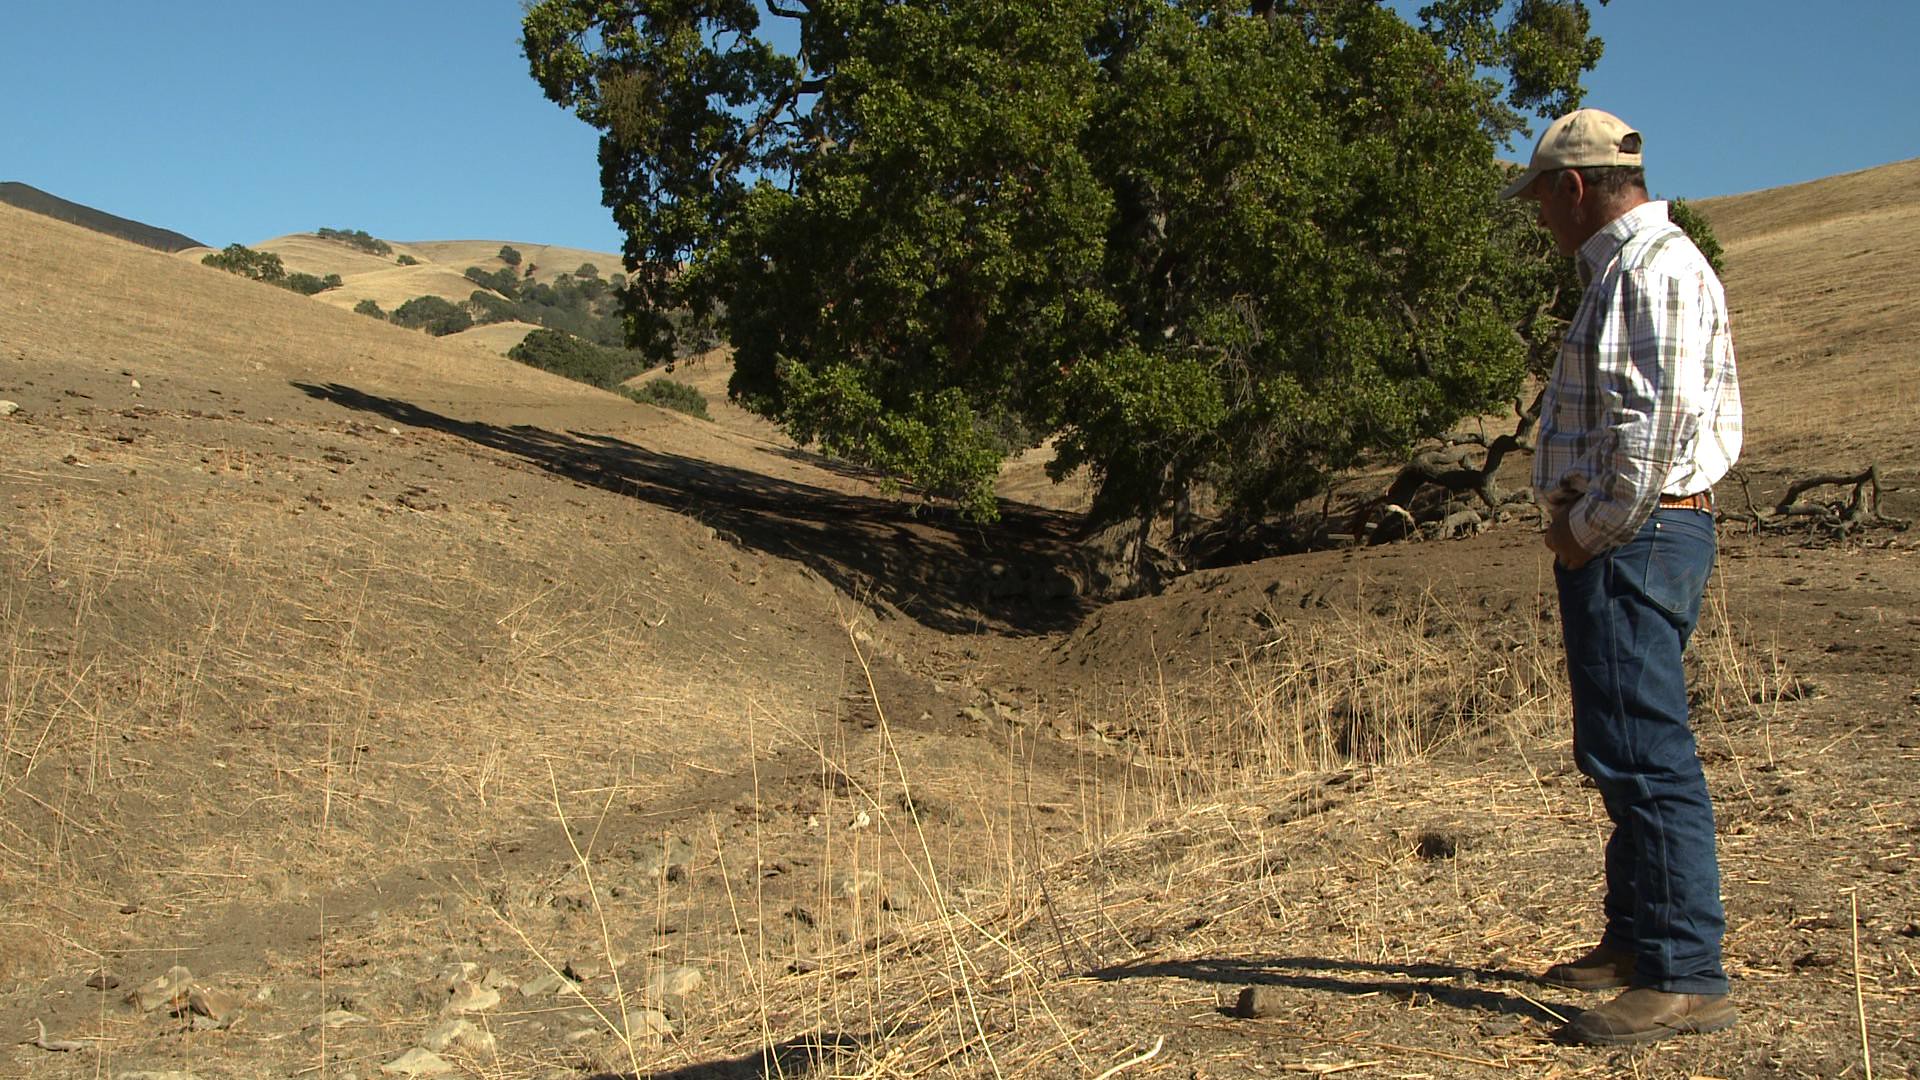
[[417, 1062]]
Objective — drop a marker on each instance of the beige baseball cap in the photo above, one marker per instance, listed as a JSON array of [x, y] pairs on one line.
[[1581, 139]]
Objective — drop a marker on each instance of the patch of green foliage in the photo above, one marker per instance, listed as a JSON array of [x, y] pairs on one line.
[[311, 284], [406, 260], [669, 394], [356, 238], [434, 314], [503, 281], [580, 360], [267, 267], [1239, 245], [369, 307], [509, 255], [248, 263], [586, 308]]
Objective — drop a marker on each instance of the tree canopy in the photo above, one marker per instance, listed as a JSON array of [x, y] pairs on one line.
[[1193, 242]]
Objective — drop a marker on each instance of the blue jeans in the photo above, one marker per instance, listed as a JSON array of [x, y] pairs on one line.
[[1627, 616]]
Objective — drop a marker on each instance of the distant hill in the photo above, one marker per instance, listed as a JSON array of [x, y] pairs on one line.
[[27, 197]]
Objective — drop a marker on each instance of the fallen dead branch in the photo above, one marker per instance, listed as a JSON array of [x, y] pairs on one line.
[[1833, 518]]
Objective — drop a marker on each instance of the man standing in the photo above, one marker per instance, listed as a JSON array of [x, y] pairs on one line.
[[1640, 417]]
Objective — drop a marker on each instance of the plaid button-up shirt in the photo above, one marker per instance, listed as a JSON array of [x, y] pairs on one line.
[[1644, 399]]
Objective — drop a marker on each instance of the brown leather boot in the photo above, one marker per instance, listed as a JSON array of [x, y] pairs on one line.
[[1642, 1015], [1605, 968]]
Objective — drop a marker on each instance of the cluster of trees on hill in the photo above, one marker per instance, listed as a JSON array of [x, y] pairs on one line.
[[1228, 248], [268, 267], [608, 368], [356, 238], [575, 358], [582, 303]]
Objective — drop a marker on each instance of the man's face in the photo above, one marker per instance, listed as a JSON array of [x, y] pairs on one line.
[[1557, 197]]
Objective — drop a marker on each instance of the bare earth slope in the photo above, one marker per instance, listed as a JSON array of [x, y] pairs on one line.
[[388, 685], [1820, 278]]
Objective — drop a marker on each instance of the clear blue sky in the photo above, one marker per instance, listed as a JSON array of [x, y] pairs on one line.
[[416, 120]]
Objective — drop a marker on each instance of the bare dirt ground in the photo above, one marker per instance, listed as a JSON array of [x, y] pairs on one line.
[[436, 714]]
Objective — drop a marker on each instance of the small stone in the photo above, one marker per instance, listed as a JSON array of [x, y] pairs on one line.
[[136, 384], [129, 909], [164, 1074], [8, 408], [393, 431], [454, 974], [339, 1018], [585, 968], [220, 1006], [471, 997], [418, 1061], [103, 980], [675, 982], [648, 1026], [496, 980], [543, 985], [168, 989], [460, 1034], [1259, 1002]]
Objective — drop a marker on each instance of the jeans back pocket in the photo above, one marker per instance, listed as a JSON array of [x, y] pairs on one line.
[[1672, 570]]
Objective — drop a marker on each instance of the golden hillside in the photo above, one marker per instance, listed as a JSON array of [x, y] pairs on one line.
[[434, 713]]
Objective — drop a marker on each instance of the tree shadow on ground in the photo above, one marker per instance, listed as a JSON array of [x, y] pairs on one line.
[[1015, 577], [1441, 982], [801, 1056]]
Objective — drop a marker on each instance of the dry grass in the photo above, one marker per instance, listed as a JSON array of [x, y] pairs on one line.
[[1227, 837], [329, 742]]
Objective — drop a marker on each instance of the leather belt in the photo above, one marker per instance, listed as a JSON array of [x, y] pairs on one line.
[[1699, 500]]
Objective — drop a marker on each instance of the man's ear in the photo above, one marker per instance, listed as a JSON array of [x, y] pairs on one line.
[[1574, 184]]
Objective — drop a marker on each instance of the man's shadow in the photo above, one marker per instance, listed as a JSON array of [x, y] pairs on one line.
[[1444, 983], [939, 572], [797, 1057]]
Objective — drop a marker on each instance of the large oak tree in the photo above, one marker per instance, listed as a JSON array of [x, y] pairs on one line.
[[1192, 242]]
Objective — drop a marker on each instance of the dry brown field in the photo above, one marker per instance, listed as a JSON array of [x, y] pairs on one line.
[[373, 705]]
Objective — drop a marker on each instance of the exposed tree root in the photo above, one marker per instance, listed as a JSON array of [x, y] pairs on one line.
[[1464, 466]]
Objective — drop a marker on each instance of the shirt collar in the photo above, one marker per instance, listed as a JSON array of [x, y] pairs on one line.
[[1598, 251]]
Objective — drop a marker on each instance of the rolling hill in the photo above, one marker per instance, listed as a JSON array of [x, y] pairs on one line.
[[431, 712], [26, 197]]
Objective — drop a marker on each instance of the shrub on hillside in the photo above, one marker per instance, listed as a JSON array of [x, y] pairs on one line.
[[369, 307], [578, 359], [407, 260], [668, 394], [509, 256], [489, 308], [309, 284], [248, 263], [434, 314], [356, 238], [503, 282]]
